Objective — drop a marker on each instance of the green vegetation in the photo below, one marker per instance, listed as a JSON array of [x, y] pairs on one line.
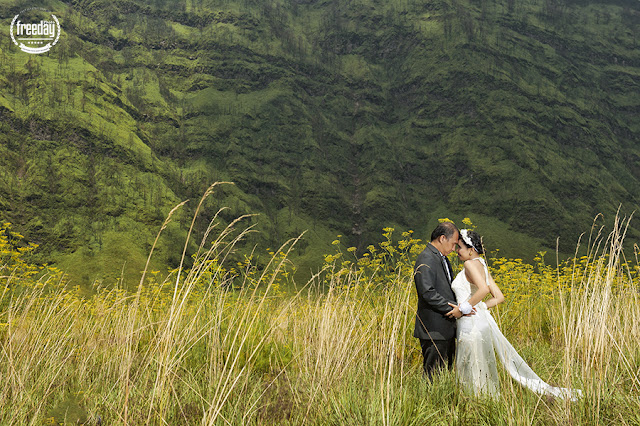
[[221, 343], [332, 116]]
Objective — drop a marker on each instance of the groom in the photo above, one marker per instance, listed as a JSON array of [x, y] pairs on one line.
[[433, 276]]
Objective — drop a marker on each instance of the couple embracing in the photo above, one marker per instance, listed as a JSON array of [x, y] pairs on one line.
[[451, 309]]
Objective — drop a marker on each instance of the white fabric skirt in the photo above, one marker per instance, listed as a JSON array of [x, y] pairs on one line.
[[479, 340]]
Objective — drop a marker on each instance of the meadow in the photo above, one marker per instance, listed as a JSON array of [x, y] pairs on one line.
[[223, 342]]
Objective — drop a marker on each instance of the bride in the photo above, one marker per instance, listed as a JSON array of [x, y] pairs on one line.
[[479, 338]]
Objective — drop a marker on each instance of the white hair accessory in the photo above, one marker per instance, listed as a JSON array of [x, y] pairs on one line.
[[467, 239]]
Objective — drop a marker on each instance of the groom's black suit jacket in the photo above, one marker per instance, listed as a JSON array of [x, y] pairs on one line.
[[434, 292]]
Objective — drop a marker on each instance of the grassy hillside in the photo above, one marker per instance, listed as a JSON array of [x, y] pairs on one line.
[[340, 117]]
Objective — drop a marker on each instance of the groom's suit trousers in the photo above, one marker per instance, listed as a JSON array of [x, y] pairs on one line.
[[437, 354]]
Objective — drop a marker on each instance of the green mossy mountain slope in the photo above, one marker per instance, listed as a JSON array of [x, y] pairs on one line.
[[337, 117]]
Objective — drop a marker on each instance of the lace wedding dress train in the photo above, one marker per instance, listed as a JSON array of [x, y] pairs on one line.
[[480, 339]]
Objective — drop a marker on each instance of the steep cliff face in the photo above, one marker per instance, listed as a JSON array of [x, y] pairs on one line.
[[341, 117]]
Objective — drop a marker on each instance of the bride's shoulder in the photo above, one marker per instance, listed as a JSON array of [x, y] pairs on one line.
[[471, 265], [473, 268]]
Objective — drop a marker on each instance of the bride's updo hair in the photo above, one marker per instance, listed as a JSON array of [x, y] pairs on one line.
[[476, 240]]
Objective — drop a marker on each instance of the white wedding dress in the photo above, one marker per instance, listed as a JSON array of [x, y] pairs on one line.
[[480, 339]]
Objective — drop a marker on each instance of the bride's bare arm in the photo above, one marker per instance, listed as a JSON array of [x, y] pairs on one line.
[[498, 297]]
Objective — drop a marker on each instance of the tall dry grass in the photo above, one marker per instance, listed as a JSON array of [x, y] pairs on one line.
[[208, 347], [601, 319]]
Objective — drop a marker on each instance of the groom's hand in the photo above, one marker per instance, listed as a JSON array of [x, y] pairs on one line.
[[454, 313]]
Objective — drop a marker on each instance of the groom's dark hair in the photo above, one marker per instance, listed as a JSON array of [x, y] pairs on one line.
[[444, 228]]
